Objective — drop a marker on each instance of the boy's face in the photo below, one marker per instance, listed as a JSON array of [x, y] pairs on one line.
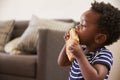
[[87, 29]]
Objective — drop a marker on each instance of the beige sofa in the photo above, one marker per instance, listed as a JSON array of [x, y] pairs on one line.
[[115, 71], [41, 65]]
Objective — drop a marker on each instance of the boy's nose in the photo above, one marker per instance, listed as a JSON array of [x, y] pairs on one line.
[[76, 28]]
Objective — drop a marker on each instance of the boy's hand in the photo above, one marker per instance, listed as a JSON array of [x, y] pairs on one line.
[[76, 50], [67, 35]]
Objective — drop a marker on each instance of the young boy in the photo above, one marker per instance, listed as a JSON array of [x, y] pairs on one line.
[[99, 26]]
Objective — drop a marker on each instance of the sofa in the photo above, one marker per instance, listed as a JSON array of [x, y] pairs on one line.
[[40, 65]]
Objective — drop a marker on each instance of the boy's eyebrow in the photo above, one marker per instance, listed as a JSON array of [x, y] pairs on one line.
[[87, 21], [81, 20]]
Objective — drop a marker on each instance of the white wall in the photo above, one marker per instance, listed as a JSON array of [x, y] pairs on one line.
[[23, 9]]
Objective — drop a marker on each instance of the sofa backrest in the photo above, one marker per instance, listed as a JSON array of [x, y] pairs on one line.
[[21, 25], [19, 28]]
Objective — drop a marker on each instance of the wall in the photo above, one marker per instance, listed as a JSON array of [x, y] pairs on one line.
[[24, 9]]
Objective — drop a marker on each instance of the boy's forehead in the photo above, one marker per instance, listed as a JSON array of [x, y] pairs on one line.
[[90, 16]]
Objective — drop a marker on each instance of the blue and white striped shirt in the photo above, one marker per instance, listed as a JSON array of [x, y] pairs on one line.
[[101, 56]]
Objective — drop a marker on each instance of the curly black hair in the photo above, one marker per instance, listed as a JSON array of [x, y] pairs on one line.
[[109, 22]]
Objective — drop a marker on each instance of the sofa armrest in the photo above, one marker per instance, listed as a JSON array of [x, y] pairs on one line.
[[41, 60], [50, 43]]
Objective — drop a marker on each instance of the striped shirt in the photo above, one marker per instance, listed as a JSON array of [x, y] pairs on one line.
[[100, 56]]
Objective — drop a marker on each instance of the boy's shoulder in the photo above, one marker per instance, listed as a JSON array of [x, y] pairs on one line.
[[100, 51], [104, 51]]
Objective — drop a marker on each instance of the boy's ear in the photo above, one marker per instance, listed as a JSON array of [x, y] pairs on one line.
[[100, 38]]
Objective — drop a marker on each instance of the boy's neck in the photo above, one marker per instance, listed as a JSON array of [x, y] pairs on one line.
[[92, 48]]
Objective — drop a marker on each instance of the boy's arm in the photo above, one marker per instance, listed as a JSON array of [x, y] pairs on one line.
[[63, 59]]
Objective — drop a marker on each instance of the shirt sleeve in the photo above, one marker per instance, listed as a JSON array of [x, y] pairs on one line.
[[104, 57]]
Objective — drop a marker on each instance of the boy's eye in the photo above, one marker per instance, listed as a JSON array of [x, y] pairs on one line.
[[83, 25]]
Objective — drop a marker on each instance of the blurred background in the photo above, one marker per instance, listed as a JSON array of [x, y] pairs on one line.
[[24, 9]]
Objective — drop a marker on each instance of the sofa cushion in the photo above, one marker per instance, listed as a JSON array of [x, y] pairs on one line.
[[28, 40], [19, 65], [11, 49], [6, 28]]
